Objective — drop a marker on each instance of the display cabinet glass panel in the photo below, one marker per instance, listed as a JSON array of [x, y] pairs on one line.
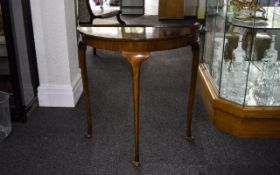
[[239, 77], [241, 50]]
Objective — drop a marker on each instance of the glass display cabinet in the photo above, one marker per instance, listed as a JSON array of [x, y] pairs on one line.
[[239, 78]]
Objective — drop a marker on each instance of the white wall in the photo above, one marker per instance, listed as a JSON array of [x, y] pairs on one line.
[[56, 47], [151, 7]]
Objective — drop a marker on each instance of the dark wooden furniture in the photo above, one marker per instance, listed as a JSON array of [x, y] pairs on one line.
[[239, 120], [86, 16], [136, 43], [171, 9]]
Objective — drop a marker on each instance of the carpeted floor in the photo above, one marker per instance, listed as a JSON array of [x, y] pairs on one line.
[[52, 141]]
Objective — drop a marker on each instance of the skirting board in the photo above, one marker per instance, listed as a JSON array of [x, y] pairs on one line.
[[60, 95]]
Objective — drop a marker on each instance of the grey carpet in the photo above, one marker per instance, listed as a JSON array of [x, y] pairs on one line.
[[52, 141]]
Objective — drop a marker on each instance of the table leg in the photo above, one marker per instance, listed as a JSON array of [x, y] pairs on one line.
[[83, 66], [195, 61], [135, 59]]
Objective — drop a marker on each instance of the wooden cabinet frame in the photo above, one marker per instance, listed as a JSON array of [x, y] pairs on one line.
[[243, 121]]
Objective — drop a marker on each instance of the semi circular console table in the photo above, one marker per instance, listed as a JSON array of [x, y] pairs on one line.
[[136, 43]]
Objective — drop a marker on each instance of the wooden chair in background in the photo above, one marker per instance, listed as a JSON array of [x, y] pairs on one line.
[[86, 15], [102, 17]]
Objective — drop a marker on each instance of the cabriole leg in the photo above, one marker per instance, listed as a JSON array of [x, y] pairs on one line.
[[83, 66], [135, 59], [195, 62]]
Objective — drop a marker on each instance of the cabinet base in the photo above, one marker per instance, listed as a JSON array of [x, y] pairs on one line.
[[242, 121]]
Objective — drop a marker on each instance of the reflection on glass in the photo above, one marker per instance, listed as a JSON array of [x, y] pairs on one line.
[[242, 50], [239, 53], [5, 79], [233, 82], [262, 91], [271, 53], [217, 60]]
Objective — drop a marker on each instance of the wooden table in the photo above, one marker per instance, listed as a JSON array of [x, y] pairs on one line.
[[136, 43]]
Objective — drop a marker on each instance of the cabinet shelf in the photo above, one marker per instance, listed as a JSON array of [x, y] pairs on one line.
[[240, 74], [272, 22]]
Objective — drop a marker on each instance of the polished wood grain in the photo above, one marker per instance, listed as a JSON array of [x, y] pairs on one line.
[[261, 122], [135, 59], [83, 66], [139, 39], [195, 61], [135, 43]]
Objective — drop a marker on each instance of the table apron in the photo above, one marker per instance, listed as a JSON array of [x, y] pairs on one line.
[[139, 46]]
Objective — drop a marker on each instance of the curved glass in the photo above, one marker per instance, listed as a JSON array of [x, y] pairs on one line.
[[241, 50]]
